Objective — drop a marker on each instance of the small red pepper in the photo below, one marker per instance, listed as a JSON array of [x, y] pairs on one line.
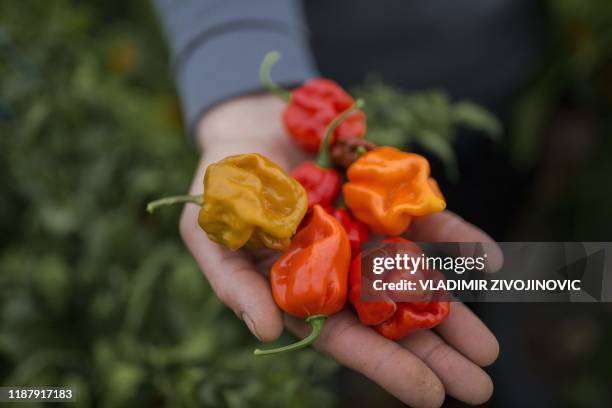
[[310, 278], [312, 107], [356, 231], [412, 316], [369, 313], [321, 182], [322, 185], [394, 320]]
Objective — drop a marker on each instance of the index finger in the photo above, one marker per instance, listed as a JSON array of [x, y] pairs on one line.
[[234, 279]]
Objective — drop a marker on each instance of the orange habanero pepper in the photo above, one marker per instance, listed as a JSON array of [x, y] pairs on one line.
[[388, 187]]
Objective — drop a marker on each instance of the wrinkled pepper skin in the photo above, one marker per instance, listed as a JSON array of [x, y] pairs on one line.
[[249, 200], [356, 231], [313, 106], [344, 152], [322, 185], [388, 187], [369, 313], [311, 277], [394, 320], [412, 316]]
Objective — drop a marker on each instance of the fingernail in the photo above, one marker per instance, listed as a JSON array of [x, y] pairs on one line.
[[249, 322]]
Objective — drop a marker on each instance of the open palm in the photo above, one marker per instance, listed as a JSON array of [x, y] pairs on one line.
[[420, 369]]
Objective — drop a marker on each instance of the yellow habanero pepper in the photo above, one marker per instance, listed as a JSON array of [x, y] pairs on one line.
[[388, 187], [248, 201]]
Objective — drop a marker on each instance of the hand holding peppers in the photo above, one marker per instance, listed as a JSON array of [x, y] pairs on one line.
[[408, 373]]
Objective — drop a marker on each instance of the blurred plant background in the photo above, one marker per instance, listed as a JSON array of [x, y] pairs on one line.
[[426, 119], [96, 294]]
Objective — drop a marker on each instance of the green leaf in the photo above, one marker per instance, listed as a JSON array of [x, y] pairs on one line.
[[123, 382], [443, 150], [394, 137], [476, 117]]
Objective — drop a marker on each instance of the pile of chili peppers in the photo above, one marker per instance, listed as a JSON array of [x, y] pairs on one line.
[[249, 201]]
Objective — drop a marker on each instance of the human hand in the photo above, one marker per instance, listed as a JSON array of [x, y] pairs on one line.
[[420, 369]]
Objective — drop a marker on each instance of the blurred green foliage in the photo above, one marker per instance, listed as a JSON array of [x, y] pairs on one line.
[[428, 119], [576, 69], [95, 293], [561, 126]]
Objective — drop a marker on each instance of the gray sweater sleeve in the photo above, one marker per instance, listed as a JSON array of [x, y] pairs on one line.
[[217, 46]]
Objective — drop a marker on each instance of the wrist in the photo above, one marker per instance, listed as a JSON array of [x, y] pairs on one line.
[[249, 118]]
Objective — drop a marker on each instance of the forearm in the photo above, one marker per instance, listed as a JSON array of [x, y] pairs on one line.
[[217, 47]]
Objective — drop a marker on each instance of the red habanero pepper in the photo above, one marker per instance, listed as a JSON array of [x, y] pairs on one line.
[[310, 278], [321, 182], [312, 107], [412, 316], [394, 320], [322, 185], [369, 313], [356, 231]]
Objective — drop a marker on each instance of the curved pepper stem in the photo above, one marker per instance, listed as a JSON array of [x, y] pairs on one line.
[[265, 76], [196, 199], [323, 156], [316, 323]]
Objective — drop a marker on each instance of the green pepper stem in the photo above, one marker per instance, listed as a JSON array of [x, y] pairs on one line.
[[316, 323], [265, 70], [323, 156], [196, 199]]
